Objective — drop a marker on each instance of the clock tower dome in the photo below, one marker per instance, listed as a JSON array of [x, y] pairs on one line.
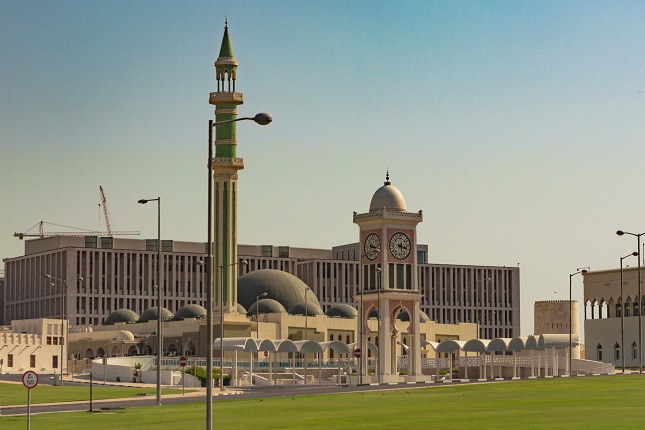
[[388, 267]]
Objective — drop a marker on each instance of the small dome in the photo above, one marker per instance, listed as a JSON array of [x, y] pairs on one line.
[[342, 311], [287, 289], [387, 197], [266, 306], [404, 316], [121, 316], [124, 335], [150, 314], [241, 309], [299, 309], [190, 311]]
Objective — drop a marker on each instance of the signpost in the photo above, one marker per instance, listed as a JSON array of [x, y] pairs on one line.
[[29, 380], [182, 363]]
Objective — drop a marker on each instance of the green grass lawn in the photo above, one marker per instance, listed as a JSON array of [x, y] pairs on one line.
[[590, 402], [16, 394]]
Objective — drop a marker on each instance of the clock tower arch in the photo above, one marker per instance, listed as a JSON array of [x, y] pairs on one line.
[[388, 268]]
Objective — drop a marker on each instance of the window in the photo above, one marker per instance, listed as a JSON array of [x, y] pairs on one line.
[[90, 241], [421, 257], [49, 340], [55, 362], [636, 309], [616, 351], [634, 351], [283, 251], [107, 242], [166, 246], [9, 360], [619, 310], [32, 361], [151, 244], [267, 250], [599, 352]]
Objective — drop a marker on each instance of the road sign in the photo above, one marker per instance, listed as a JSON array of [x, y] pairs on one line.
[[183, 361], [30, 379], [266, 353], [357, 353]]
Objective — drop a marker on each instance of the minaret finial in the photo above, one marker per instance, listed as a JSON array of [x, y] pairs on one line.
[[226, 22], [387, 177]]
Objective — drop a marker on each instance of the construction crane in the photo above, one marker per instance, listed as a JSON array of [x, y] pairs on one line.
[[105, 211], [42, 234]]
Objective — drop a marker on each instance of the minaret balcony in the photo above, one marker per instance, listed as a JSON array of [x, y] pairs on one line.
[[235, 162], [225, 97]]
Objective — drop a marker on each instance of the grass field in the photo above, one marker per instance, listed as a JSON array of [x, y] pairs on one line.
[[16, 394], [590, 402]]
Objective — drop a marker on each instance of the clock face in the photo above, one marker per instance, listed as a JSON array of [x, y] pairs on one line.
[[400, 246], [372, 246]]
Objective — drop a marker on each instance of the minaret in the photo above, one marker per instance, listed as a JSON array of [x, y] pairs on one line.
[[225, 167]]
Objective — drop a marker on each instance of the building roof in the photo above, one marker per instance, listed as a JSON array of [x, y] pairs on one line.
[[280, 286]]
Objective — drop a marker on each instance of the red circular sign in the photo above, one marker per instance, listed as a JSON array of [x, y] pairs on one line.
[[30, 379], [266, 353], [357, 353], [183, 361]]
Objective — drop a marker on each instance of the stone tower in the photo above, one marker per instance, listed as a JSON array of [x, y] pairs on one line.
[[225, 166]]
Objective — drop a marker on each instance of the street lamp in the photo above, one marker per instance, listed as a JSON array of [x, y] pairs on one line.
[[583, 271], [262, 119], [640, 298], [159, 296], [483, 316], [257, 314], [63, 296], [622, 311]]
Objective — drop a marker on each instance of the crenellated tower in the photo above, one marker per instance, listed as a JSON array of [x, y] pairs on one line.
[[225, 166]]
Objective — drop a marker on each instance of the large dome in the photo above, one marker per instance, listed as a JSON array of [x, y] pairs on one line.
[[387, 197], [281, 286], [121, 316]]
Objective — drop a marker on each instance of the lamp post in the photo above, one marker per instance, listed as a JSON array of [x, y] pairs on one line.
[[583, 271], [481, 331], [262, 119], [159, 296], [306, 315], [63, 295], [640, 298], [257, 314], [221, 321], [622, 311]]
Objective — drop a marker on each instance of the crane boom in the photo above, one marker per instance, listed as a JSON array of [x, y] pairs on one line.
[[41, 232], [105, 211]]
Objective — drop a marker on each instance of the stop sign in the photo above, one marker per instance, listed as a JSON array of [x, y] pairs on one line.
[[183, 361], [357, 353]]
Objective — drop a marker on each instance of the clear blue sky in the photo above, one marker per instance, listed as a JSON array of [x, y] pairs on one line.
[[517, 127]]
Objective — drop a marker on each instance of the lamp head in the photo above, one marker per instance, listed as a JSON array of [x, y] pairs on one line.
[[620, 232], [80, 279], [48, 276], [634, 253], [143, 201], [263, 118], [583, 271]]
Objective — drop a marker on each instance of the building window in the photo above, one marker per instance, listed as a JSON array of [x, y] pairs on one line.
[[151, 244], [9, 360], [107, 242], [283, 251], [616, 351], [49, 340], [636, 310], [626, 309], [267, 250], [619, 309], [599, 352], [166, 246], [32, 361], [91, 241], [55, 362], [421, 257], [634, 351]]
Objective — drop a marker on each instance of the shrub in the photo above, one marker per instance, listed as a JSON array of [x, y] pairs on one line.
[[138, 366], [403, 372], [118, 379], [443, 372], [200, 373]]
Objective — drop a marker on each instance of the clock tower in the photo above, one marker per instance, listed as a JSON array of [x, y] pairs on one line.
[[388, 267]]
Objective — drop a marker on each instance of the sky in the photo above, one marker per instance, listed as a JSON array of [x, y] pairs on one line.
[[515, 126]]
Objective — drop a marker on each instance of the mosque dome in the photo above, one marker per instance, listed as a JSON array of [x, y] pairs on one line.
[[299, 309], [281, 286], [266, 306], [121, 316], [404, 316], [124, 335], [342, 311], [190, 311], [150, 314], [388, 197], [241, 309]]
